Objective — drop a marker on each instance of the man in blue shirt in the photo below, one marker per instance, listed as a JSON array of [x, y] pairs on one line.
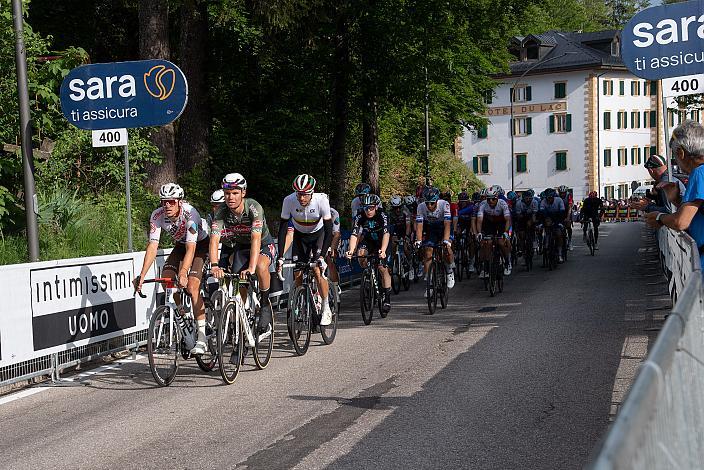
[[687, 145]]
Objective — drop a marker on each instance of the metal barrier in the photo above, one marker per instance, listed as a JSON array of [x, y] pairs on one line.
[[661, 421]]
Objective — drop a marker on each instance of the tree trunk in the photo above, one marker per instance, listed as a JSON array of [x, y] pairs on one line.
[[370, 144], [193, 51], [341, 85], [154, 44]]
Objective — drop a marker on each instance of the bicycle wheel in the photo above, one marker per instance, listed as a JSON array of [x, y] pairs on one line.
[[461, 260], [499, 265], [443, 291], [492, 277], [209, 360], [590, 241], [405, 274], [299, 321], [263, 344], [163, 340], [432, 288], [230, 341], [328, 332], [366, 297], [396, 274]]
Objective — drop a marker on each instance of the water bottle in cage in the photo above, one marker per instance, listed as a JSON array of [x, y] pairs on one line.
[[189, 332], [317, 299]]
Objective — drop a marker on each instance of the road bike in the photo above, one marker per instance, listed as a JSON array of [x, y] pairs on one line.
[[436, 279], [173, 332], [550, 254], [591, 243], [238, 324], [305, 308], [370, 289], [400, 268], [494, 267], [463, 256], [527, 241]]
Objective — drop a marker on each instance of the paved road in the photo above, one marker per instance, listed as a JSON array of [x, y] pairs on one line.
[[528, 379]]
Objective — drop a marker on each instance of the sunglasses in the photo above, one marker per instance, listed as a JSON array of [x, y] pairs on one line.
[[492, 199], [303, 194], [169, 202], [368, 208], [231, 186]]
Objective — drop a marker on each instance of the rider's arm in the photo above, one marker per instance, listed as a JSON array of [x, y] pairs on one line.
[[254, 247], [213, 248], [327, 236], [149, 258], [283, 231], [419, 225], [187, 259]]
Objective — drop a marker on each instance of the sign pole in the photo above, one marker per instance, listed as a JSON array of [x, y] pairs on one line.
[[666, 131], [30, 196], [129, 199]]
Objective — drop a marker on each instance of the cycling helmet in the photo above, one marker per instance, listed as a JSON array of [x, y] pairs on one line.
[[463, 196], [396, 201], [483, 193], [512, 195], [562, 189], [492, 193], [234, 181], [408, 200], [304, 184], [529, 194], [499, 190], [476, 197], [362, 188], [171, 191], [370, 200], [217, 196], [446, 196], [550, 192], [431, 194], [592, 194]]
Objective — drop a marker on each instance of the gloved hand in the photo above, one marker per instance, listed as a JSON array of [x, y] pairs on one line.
[[480, 237], [447, 242], [417, 243], [279, 264], [506, 236]]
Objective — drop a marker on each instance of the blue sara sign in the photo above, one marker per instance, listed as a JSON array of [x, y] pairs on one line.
[[124, 94], [665, 41]]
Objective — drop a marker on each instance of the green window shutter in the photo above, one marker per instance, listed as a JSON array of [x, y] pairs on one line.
[[633, 156], [529, 125], [511, 95], [513, 126], [653, 118], [607, 120], [645, 118], [529, 93], [607, 157], [633, 120], [568, 124], [561, 161], [653, 150], [653, 88], [560, 90], [475, 165], [639, 158], [521, 166], [606, 86], [625, 120], [482, 132], [621, 87], [485, 165], [551, 118]]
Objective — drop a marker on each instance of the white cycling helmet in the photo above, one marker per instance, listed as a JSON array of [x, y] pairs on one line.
[[234, 181], [171, 191], [408, 200], [492, 192], [562, 189], [304, 184], [484, 192], [217, 196], [396, 201], [498, 189]]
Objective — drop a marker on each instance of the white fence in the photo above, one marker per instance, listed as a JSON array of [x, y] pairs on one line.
[[661, 422]]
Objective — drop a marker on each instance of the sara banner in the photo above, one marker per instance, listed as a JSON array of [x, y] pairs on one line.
[[124, 94], [665, 41]]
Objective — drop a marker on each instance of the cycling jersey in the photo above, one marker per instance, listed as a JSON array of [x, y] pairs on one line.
[[356, 206], [555, 211], [525, 210], [498, 211], [237, 230], [372, 229], [306, 219], [435, 217], [592, 208], [567, 200], [398, 219], [335, 220], [187, 228]]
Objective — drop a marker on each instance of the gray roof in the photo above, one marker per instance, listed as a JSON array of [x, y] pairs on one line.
[[571, 51]]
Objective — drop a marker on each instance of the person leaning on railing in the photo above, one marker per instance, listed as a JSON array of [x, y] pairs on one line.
[[666, 188], [687, 145]]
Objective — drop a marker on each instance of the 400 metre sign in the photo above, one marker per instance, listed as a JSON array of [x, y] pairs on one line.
[[124, 94]]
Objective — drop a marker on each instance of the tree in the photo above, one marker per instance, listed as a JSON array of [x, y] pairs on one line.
[[623, 10]]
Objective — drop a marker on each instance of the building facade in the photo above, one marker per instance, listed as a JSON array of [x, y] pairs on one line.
[[579, 119]]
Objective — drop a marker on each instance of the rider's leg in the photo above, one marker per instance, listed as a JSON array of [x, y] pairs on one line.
[[560, 239], [264, 278], [426, 256], [595, 224]]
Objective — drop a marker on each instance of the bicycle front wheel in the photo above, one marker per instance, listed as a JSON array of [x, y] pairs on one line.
[[264, 345], [230, 343], [396, 274], [209, 359], [443, 291], [366, 297], [432, 288], [328, 332], [163, 340], [299, 320], [590, 242]]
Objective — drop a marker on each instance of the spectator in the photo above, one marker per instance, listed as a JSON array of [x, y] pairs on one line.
[[666, 187], [687, 145]]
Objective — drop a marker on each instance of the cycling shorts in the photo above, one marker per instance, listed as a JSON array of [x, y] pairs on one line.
[[373, 247], [492, 228], [433, 234], [173, 262], [241, 255], [307, 246]]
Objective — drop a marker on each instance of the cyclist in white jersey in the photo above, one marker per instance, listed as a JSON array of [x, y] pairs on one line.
[[494, 218], [309, 212], [360, 190], [190, 253], [433, 218]]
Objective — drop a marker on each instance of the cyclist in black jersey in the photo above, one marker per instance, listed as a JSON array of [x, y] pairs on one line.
[[592, 208]]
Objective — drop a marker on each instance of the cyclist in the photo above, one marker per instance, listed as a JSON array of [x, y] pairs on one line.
[[435, 220], [371, 230], [566, 197], [359, 190], [185, 263], [240, 225], [400, 225], [494, 218], [553, 207], [525, 213], [592, 208], [309, 212], [463, 225], [332, 251]]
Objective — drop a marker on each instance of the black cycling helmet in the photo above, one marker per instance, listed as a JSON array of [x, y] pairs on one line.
[[463, 196], [362, 188], [550, 192], [370, 200], [446, 196], [476, 197], [431, 194], [528, 194]]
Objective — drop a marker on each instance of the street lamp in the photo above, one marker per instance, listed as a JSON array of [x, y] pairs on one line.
[[513, 99]]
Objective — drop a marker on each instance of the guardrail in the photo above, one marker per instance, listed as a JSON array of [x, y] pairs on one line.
[[661, 420]]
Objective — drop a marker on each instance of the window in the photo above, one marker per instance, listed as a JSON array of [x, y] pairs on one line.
[[646, 153], [521, 163], [621, 120], [653, 88], [635, 120], [615, 51], [521, 94], [635, 87], [622, 191], [607, 119], [649, 118], [694, 115], [608, 87], [489, 97], [671, 117], [607, 157], [653, 118], [609, 192], [533, 52], [482, 132], [653, 150], [560, 161], [621, 87], [635, 156], [560, 123], [522, 126], [480, 164], [560, 90], [622, 159]]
